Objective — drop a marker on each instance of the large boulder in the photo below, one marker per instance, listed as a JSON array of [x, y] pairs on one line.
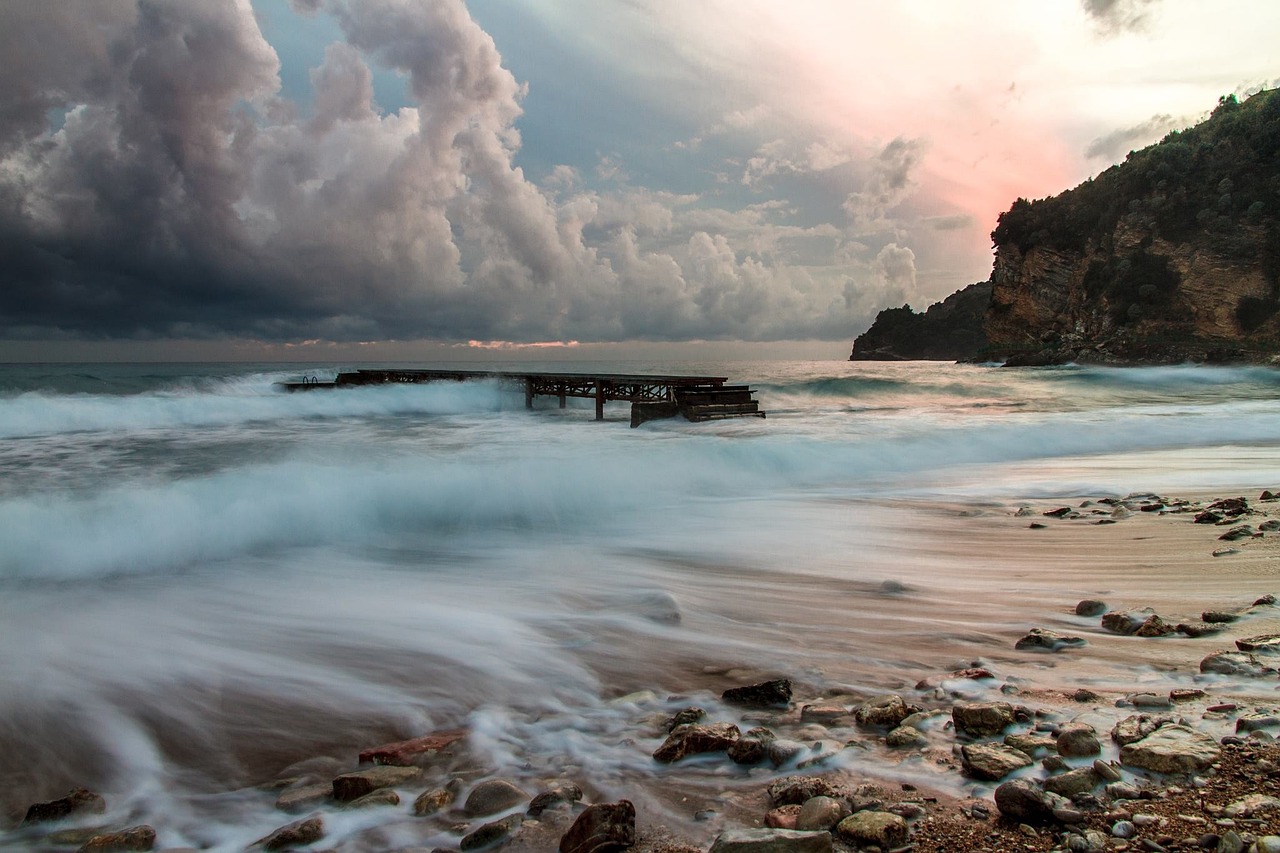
[[1173, 748], [602, 828], [1024, 801], [493, 796]]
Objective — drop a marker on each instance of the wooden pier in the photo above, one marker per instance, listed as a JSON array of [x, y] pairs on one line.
[[696, 398]]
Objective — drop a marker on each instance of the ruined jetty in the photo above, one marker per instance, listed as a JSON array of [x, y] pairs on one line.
[[695, 398]]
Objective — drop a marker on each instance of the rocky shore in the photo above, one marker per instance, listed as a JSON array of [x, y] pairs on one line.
[[976, 757]]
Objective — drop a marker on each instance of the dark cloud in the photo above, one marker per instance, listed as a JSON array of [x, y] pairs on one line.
[[153, 183], [1113, 16], [1115, 145]]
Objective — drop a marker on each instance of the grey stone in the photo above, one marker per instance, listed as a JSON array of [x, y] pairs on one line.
[[882, 712], [1173, 748], [1023, 801], [1235, 663], [1256, 722], [353, 786], [491, 834], [771, 841], [696, 739], [1043, 638], [602, 828], [1136, 727], [884, 829], [296, 834], [1124, 829], [1078, 741], [821, 814], [1091, 607], [905, 736], [493, 796], [991, 761], [1073, 782], [1254, 805], [1107, 771]]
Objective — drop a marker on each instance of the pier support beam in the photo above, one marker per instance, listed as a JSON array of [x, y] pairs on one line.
[[562, 395], [599, 400], [528, 393]]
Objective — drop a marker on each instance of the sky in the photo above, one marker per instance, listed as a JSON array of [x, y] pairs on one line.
[[299, 179]]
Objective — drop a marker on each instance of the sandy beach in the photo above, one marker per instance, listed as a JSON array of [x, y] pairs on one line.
[[943, 602]]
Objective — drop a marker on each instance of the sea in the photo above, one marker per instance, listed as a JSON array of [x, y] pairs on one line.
[[209, 585]]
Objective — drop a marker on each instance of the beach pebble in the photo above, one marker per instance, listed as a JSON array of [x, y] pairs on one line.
[[752, 747], [783, 817], [1136, 727], [430, 802], [795, 790], [1073, 782], [493, 796], [1253, 805], [1123, 829], [1106, 770], [381, 797], [822, 713], [904, 737], [1268, 844], [1154, 626], [604, 826]]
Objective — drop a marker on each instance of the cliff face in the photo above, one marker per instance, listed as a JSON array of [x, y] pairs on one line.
[[950, 330], [1172, 256]]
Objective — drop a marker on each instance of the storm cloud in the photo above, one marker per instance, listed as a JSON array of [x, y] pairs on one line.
[[155, 182]]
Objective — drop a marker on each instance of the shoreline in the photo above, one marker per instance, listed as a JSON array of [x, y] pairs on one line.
[[1160, 559]]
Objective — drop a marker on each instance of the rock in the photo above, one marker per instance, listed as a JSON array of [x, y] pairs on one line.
[[1149, 700], [493, 796], [1256, 722], [1267, 600], [822, 713], [1042, 638], [1235, 663], [696, 739], [1254, 805], [430, 802], [602, 828], [982, 719], [406, 753], [1106, 771], [305, 797], [1060, 512], [1268, 644], [766, 694], [821, 813], [1208, 517], [1123, 621], [1124, 829], [886, 830], [141, 837], [752, 747], [1230, 842], [78, 801], [796, 790], [353, 786], [297, 834], [1235, 534], [381, 797], [1271, 525], [1073, 782], [784, 750], [1154, 626], [1078, 741], [1219, 616], [1032, 743], [771, 841], [1173, 748], [1023, 801], [559, 795], [1091, 607], [904, 737], [1136, 727], [783, 817], [1186, 694], [991, 761], [1231, 507], [492, 833], [1123, 791], [685, 717], [1268, 844], [882, 712], [1199, 629]]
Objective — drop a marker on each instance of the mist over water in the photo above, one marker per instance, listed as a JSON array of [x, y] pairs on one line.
[[204, 580]]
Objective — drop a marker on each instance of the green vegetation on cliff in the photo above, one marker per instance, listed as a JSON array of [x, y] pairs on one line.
[[1216, 185]]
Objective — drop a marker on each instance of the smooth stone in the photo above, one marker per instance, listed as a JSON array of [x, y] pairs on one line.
[[1268, 844], [493, 796], [822, 713], [296, 834], [557, 796], [771, 841], [1136, 727], [1091, 607], [1256, 722], [1234, 663], [602, 828], [304, 798], [1078, 781], [1024, 801], [1123, 791], [430, 802], [381, 797], [696, 739], [1043, 638], [1173, 748], [821, 814], [885, 829], [991, 761], [1107, 771], [353, 786], [882, 712], [982, 719], [1078, 741], [1124, 829], [1030, 743]]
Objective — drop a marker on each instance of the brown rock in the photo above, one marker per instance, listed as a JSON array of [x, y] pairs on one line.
[[304, 798], [405, 753], [886, 830], [353, 786], [783, 817], [296, 834], [992, 761], [565, 794], [430, 802], [77, 801], [493, 796], [1261, 644], [982, 719], [766, 694], [696, 739], [602, 828], [135, 838], [1172, 749], [1154, 626], [882, 712], [795, 790]]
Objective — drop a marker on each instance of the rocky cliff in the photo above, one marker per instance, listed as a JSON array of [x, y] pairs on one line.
[[1172, 256], [950, 330]]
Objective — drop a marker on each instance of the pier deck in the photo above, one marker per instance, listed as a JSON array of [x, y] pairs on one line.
[[697, 398]]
